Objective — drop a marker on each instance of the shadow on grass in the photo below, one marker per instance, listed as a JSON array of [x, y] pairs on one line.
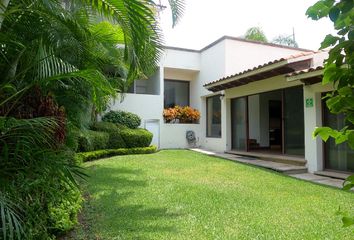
[[107, 213]]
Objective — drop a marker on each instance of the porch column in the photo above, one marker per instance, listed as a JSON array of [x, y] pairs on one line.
[[313, 119], [226, 123]]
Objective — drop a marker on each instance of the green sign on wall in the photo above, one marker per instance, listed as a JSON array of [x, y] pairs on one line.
[[309, 102]]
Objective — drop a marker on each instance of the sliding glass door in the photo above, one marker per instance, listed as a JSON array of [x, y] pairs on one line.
[[270, 122], [239, 123], [294, 127], [337, 157]]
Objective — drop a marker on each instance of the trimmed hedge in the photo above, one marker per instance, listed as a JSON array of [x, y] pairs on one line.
[[134, 138], [88, 156], [115, 139], [128, 119], [92, 140], [103, 126]]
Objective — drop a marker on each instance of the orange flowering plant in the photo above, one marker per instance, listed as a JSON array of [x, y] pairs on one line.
[[170, 114], [181, 114]]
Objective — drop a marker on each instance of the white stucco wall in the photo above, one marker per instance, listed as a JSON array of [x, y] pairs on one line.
[[240, 56], [145, 106], [313, 119], [212, 67], [174, 135], [181, 59]]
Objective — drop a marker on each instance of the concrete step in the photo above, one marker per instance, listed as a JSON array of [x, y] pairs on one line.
[[332, 174], [275, 166], [299, 172], [334, 182], [280, 158]]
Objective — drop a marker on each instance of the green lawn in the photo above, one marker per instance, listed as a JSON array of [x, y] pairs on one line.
[[180, 194]]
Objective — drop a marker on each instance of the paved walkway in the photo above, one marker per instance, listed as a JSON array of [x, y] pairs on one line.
[[299, 172]]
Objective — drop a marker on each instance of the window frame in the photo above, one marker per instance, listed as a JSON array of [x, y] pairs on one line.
[[207, 116], [179, 81]]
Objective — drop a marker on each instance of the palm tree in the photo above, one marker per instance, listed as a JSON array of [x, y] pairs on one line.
[[256, 34], [286, 41], [58, 61]]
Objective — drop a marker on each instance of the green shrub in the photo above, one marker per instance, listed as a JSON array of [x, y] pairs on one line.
[[104, 126], [72, 138], [121, 127], [39, 195], [88, 156], [92, 140], [63, 212], [128, 119], [115, 138], [136, 137]]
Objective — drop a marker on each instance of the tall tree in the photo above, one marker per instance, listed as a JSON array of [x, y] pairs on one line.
[[256, 34], [339, 72], [58, 59], [285, 40]]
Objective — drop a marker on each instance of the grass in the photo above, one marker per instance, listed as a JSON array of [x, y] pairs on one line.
[[179, 194]]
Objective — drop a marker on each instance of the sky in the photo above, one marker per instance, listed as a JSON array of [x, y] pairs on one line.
[[204, 21]]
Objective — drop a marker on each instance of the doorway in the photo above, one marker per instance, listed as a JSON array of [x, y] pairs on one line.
[[269, 122], [275, 125], [337, 157], [153, 126]]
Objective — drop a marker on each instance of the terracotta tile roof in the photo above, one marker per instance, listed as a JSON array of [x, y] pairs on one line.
[[294, 56], [304, 71]]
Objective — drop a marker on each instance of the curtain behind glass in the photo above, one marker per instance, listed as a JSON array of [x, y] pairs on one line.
[[239, 123], [176, 93]]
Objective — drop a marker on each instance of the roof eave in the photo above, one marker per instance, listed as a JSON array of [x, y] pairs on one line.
[[247, 74], [305, 75]]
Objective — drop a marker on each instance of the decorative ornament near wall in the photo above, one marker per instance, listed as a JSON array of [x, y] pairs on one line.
[[190, 135]]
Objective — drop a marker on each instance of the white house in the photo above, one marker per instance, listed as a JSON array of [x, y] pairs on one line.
[[254, 99]]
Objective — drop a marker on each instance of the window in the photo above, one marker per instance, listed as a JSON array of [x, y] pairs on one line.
[[176, 93], [149, 86], [213, 105]]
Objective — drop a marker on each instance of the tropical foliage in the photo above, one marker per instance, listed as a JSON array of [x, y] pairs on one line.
[[60, 63], [124, 118], [180, 114], [256, 34], [285, 40], [339, 72]]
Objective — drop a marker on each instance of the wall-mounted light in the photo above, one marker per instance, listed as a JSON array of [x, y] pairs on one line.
[[222, 96]]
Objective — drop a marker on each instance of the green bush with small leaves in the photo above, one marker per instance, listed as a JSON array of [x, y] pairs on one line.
[[128, 119], [103, 126], [63, 212], [115, 138], [136, 137], [92, 140], [88, 156]]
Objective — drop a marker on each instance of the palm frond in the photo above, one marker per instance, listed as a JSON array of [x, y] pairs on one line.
[[177, 9], [11, 222], [141, 33]]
